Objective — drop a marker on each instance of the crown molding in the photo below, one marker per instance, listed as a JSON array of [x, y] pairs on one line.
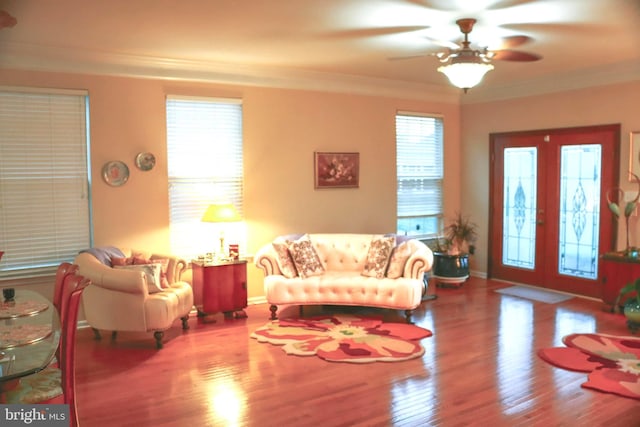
[[54, 59], [621, 72], [50, 59]]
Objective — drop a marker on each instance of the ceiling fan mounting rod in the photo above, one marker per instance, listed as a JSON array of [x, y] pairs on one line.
[[466, 25]]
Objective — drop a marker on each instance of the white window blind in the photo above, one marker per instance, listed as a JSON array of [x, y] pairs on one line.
[[419, 158], [204, 143], [44, 184]]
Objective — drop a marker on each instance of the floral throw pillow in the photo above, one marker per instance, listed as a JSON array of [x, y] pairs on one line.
[[305, 258], [152, 272], [164, 262], [399, 258], [378, 256], [140, 260], [284, 260]]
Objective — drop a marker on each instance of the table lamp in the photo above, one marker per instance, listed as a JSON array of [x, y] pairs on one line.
[[221, 212]]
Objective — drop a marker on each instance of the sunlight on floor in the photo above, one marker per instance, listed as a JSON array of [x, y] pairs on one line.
[[514, 355], [569, 322], [227, 403]]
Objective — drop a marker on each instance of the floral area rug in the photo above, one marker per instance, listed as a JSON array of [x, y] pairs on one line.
[[613, 362], [345, 338]]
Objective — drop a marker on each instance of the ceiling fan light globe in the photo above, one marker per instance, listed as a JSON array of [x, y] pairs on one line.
[[465, 75]]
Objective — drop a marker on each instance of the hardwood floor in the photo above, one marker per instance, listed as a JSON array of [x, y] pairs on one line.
[[480, 368]]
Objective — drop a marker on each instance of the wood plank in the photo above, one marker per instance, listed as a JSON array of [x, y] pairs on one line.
[[479, 368]]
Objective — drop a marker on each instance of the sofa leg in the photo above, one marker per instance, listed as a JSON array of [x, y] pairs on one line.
[[273, 309], [96, 334], [185, 322], [114, 334], [407, 315], [158, 336]]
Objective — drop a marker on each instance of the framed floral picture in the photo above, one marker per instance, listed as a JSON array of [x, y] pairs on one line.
[[337, 170]]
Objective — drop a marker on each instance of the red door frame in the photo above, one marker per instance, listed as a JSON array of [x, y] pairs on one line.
[[548, 142]]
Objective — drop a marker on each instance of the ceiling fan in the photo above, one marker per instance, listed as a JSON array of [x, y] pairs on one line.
[[505, 53], [465, 67]]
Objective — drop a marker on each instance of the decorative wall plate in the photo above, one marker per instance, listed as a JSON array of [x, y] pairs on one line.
[[115, 173], [145, 161]]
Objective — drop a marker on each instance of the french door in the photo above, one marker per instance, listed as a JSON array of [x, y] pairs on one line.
[[549, 220]]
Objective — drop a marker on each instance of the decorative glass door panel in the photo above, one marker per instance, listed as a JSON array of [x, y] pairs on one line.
[[548, 221], [519, 207], [579, 221]]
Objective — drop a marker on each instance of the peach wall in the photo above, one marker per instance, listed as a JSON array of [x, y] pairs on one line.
[[593, 106], [282, 129]]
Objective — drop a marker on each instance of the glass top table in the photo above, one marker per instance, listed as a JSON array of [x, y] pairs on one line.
[[29, 334]]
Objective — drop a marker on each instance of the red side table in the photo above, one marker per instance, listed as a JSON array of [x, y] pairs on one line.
[[220, 286], [616, 270]]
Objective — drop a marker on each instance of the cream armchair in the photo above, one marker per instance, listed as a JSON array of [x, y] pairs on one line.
[[124, 299]]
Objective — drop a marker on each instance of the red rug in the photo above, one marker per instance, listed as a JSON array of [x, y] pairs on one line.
[[345, 338], [613, 362]]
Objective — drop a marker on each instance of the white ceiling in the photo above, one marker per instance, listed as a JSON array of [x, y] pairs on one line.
[[326, 44]]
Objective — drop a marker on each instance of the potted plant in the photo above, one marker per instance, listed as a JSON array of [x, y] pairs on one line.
[[451, 253], [631, 306]]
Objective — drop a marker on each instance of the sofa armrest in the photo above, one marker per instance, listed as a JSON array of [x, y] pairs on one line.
[[265, 259], [176, 266], [420, 261], [120, 280]]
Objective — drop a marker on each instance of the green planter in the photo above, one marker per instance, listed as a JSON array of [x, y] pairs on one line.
[[632, 313], [450, 269]]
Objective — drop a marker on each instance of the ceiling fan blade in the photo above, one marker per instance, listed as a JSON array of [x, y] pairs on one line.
[[514, 55], [449, 6], [372, 32], [513, 41], [444, 43], [557, 27], [402, 58], [439, 5], [503, 4], [6, 20]]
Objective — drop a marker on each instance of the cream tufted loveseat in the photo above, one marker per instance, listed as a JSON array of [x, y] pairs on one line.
[[343, 258]]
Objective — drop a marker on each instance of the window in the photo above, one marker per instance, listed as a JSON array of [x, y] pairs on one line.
[[44, 181], [204, 144], [419, 146]]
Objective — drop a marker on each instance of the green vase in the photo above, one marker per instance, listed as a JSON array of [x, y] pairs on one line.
[[632, 313]]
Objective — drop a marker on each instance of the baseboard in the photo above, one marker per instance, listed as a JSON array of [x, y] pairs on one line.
[[479, 274], [83, 324], [257, 300]]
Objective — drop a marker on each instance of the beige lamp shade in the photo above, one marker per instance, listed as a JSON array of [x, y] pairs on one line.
[[224, 212], [221, 212]]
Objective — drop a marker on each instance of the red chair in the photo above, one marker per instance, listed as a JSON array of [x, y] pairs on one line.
[[56, 385], [73, 287], [64, 269]]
